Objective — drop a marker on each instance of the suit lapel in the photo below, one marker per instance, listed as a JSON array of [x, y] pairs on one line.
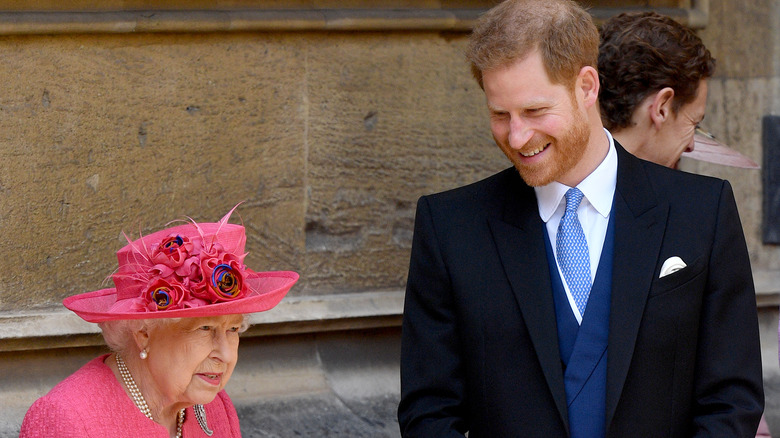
[[518, 236], [640, 221]]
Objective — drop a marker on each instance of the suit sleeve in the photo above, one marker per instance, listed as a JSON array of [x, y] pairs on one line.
[[432, 382], [729, 397]]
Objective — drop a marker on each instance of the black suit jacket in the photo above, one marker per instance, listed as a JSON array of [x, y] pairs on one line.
[[479, 338]]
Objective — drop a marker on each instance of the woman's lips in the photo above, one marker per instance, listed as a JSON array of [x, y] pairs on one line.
[[211, 378]]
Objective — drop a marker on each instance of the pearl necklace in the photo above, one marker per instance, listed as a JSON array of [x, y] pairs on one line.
[[138, 398]]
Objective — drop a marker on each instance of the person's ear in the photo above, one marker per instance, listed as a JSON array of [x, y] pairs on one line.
[[141, 337], [661, 106], [588, 84]]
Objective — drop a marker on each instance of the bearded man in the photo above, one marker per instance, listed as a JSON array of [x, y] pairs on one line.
[[582, 292]]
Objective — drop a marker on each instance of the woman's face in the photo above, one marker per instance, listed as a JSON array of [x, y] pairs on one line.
[[191, 360]]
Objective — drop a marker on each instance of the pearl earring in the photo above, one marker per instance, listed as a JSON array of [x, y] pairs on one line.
[[143, 354]]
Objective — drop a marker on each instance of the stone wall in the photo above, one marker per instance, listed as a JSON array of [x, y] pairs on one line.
[[326, 124], [327, 139]]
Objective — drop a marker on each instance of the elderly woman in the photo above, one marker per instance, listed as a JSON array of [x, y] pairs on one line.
[[172, 322]]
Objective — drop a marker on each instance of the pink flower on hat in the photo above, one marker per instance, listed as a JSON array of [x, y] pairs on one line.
[[164, 295], [223, 278], [187, 273], [171, 252]]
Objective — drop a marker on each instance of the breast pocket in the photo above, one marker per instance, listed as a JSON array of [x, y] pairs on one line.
[[693, 272], [672, 314]]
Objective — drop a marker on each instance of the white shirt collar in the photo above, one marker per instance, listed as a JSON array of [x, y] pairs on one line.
[[593, 187]]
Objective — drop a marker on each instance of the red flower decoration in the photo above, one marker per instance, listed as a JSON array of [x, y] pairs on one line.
[[165, 295], [223, 278], [225, 281]]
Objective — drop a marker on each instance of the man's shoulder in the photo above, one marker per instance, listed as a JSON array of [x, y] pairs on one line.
[[491, 189], [665, 182], [464, 212], [674, 181]]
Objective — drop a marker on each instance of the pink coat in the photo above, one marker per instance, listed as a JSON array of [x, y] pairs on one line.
[[92, 403], [763, 429]]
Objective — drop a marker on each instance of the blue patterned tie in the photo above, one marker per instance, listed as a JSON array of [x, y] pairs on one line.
[[573, 256]]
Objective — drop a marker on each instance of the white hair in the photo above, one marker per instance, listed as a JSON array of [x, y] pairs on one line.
[[118, 334]]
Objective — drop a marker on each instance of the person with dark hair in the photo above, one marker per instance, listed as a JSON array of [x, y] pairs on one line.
[[643, 107], [582, 292], [654, 73]]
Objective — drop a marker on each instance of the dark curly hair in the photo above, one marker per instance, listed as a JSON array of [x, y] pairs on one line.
[[641, 53]]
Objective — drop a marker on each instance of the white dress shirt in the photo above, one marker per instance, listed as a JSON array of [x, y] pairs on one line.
[[598, 189]]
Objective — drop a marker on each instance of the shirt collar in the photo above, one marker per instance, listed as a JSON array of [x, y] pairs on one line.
[[593, 187]]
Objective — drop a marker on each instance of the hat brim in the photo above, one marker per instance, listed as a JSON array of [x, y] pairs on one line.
[[267, 290], [707, 148]]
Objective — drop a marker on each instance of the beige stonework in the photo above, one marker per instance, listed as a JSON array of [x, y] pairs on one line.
[[327, 139], [327, 122], [392, 116], [105, 133]]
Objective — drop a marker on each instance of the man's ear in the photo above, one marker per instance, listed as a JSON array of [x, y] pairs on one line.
[[661, 106], [588, 84]]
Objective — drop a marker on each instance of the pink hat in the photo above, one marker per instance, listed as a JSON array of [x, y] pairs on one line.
[[707, 148], [191, 270]]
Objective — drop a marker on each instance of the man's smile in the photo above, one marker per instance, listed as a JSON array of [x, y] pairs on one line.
[[535, 151]]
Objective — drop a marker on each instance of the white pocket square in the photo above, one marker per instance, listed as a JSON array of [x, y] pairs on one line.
[[672, 264]]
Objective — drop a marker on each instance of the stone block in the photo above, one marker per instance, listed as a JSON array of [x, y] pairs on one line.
[[108, 133], [392, 116], [744, 38]]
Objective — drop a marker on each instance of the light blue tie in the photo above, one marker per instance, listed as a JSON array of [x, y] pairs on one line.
[[573, 256]]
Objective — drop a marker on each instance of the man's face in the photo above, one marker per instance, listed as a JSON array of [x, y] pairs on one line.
[[676, 136], [537, 124]]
